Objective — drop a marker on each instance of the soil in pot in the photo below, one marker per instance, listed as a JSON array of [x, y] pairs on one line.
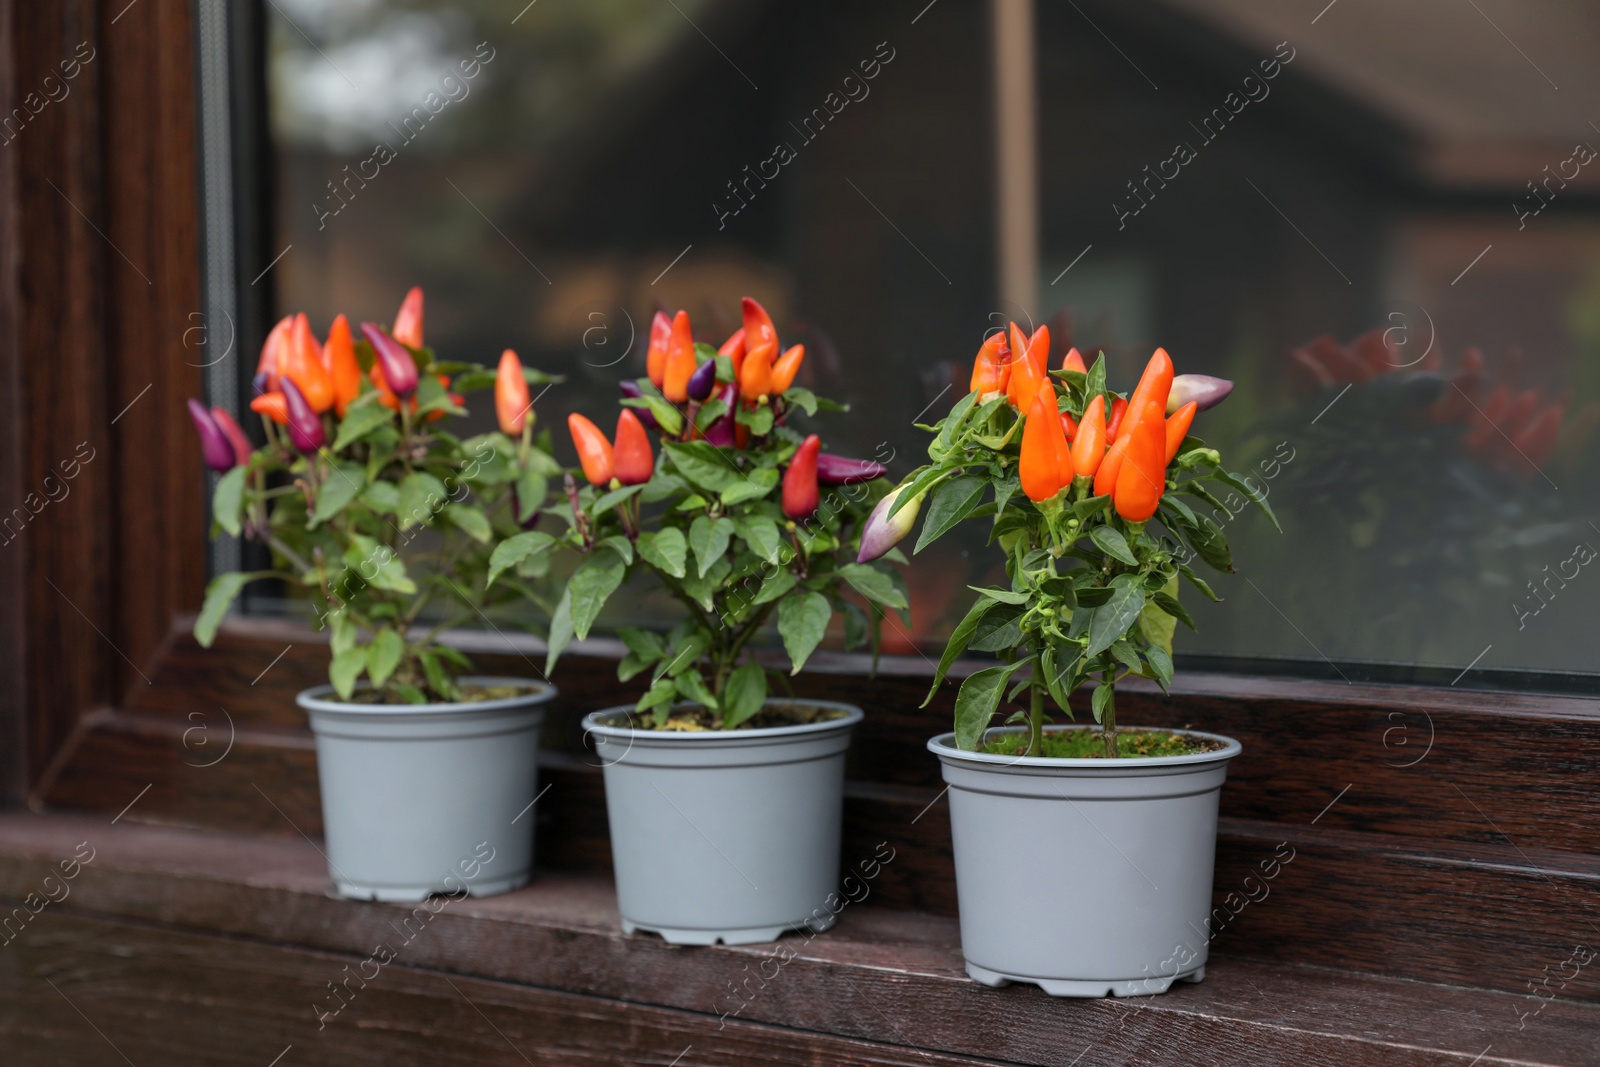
[[696, 719], [1132, 743], [466, 694]]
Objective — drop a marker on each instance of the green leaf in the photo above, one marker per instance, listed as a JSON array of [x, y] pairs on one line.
[[560, 630], [802, 622], [1169, 604], [774, 586], [1113, 619], [1208, 540], [1112, 543], [761, 534], [591, 585], [666, 550], [1254, 495], [383, 655], [360, 420], [343, 482], [709, 538], [646, 644], [948, 505], [704, 465], [411, 693], [228, 501], [976, 703], [873, 584], [1104, 697], [377, 565], [381, 497], [1097, 381], [421, 496], [753, 486], [744, 694], [615, 497], [804, 399], [532, 488], [702, 588], [513, 550], [998, 631], [623, 547], [220, 595], [758, 420], [1160, 665], [1198, 582], [1057, 679], [1083, 509], [1003, 596], [470, 521], [345, 669], [710, 412], [693, 687], [957, 644]]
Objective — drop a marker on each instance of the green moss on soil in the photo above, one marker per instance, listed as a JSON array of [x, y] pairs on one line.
[[697, 719], [1088, 744]]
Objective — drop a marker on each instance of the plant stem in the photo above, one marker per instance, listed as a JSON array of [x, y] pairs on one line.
[[1108, 720], [1036, 719]]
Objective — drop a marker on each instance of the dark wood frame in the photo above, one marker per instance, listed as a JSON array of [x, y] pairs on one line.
[[108, 705]]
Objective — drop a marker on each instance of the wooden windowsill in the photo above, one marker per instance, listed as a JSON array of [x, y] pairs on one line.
[[887, 983]]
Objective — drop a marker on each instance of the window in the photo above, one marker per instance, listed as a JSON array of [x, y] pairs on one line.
[[1296, 201]]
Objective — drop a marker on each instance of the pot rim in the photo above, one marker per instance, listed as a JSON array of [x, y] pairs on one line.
[[944, 747], [853, 715], [542, 692]]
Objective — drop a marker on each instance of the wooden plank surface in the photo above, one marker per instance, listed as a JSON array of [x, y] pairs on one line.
[[881, 976]]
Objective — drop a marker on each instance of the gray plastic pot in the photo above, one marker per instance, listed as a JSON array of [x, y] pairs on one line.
[[1085, 877], [724, 835], [420, 799]]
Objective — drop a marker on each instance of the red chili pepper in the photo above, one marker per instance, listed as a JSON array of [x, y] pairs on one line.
[[1089, 447], [394, 364], [1105, 479], [1074, 361], [1119, 408], [733, 348], [655, 358], [1069, 425], [305, 425], [339, 357], [1535, 440], [300, 359], [755, 377], [1178, 426], [681, 363], [758, 328], [632, 458], [408, 320], [786, 367], [242, 448], [800, 493], [594, 451], [266, 380], [511, 404], [273, 406], [1143, 477], [1045, 464], [991, 368]]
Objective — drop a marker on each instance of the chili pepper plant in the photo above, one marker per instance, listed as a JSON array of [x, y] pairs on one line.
[[1087, 493], [741, 519], [367, 502]]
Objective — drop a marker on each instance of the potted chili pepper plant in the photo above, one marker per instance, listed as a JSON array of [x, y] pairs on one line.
[[724, 802], [1085, 490], [385, 521]]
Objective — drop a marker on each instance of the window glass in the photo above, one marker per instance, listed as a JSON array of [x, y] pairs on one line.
[[1379, 220]]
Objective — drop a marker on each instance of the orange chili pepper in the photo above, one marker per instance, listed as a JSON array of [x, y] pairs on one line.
[[301, 361], [787, 366], [1039, 350], [511, 403], [1025, 375], [1119, 408], [594, 451], [758, 328], [1089, 447], [1178, 426], [339, 357], [991, 368], [1143, 476], [655, 358], [1074, 361], [408, 320], [1105, 478], [1154, 384], [273, 405], [733, 348], [633, 460], [266, 380], [755, 376], [681, 363], [1045, 465]]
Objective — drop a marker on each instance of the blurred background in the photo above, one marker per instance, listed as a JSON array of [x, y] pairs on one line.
[[1380, 220]]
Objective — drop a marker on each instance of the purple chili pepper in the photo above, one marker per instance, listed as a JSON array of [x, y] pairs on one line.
[[842, 470], [720, 432], [305, 427], [703, 381], [1208, 391], [631, 388], [259, 383], [214, 444], [399, 369]]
